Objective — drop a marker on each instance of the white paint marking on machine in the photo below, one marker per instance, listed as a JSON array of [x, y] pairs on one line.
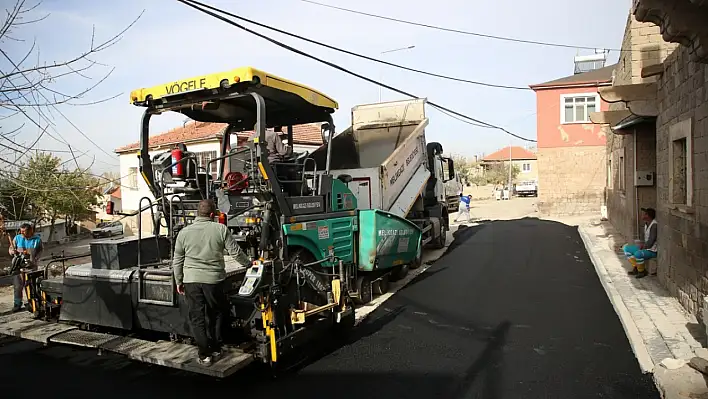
[[403, 244]]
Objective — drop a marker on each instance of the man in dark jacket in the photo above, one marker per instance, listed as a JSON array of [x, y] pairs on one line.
[[199, 272]]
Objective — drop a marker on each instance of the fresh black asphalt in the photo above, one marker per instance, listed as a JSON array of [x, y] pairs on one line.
[[514, 309]]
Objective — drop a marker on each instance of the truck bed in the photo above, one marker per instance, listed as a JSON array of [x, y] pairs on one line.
[[384, 152]]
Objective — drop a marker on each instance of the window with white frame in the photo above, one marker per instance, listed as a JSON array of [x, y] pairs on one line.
[[576, 108], [133, 178], [681, 163], [526, 167]]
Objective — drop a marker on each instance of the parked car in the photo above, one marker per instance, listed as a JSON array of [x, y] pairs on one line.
[[108, 229], [526, 188]]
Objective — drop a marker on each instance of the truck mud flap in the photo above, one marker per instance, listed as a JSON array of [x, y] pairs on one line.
[[162, 353]]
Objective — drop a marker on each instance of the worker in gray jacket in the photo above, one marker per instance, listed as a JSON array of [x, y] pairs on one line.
[[200, 271]]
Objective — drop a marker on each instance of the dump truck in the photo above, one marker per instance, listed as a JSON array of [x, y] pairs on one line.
[[392, 169], [311, 247]]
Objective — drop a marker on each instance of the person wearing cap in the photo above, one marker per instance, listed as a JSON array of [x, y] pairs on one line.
[[645, 249]]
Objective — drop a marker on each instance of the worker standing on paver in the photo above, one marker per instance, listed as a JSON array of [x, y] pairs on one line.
[[200, 271], [646, 249], [26, 242]]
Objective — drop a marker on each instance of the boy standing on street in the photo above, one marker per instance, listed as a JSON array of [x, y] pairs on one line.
[[464, 207]]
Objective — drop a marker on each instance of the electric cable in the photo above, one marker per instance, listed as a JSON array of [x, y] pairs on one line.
[[340, 68], [459, 31], [341, 50]]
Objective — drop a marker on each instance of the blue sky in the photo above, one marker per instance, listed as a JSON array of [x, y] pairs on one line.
[[172, 41]]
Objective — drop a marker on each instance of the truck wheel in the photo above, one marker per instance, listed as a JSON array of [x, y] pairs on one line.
[[440, 241], [381, 287], [417, 262], [363, 286], [399, 272]]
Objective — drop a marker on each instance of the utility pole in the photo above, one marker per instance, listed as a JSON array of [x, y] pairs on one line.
[[386, 52], [510, 160]]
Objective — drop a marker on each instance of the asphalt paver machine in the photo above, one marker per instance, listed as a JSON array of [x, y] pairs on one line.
[[300, 228]]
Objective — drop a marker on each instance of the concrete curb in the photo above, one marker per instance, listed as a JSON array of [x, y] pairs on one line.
[[630, 327], [363, 312]]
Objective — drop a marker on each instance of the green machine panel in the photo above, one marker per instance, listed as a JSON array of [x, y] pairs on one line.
[[386, 240], [321, 237]]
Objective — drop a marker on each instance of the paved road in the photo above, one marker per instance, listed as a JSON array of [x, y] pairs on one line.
[[513, 310]]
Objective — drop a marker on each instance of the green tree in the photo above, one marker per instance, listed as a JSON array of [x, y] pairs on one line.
[[56, 192], [498, 172], [14, 203], [466, 169]]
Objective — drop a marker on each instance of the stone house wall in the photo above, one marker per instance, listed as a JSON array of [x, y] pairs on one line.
[[682, 179], [642, 46], [576, 176]]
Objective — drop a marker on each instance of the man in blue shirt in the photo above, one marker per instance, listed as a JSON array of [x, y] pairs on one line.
[[464, 207], [30, 242]]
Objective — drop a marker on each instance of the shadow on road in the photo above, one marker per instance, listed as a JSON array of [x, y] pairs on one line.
[[489, 363], [462, 234]]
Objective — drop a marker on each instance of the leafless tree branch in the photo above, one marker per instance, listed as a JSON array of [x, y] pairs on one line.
[[29, 86]]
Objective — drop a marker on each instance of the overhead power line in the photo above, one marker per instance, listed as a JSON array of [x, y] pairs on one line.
[[458, 31], [352, 53], [196, 5]]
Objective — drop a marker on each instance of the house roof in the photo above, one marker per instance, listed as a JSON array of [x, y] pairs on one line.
[[594, 77], [15, 224], [517, 154], [307, 134], [116, 194]]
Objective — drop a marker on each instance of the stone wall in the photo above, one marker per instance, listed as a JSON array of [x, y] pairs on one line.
[[572, 180], [643, 46], [646, 161], [683, 228]]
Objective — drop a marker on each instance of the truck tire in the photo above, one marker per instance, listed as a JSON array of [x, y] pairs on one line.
[[381, 287], [417, 262], [363, 287], [399, 272], [439, 243]]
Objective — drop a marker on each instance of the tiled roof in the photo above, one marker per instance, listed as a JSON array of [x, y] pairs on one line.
[[517, 154], [116, 194], [307, 134], [597, 76]]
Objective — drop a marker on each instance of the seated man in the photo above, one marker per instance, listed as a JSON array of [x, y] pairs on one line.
[[282, 155], [277, 151], [645, 249]]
